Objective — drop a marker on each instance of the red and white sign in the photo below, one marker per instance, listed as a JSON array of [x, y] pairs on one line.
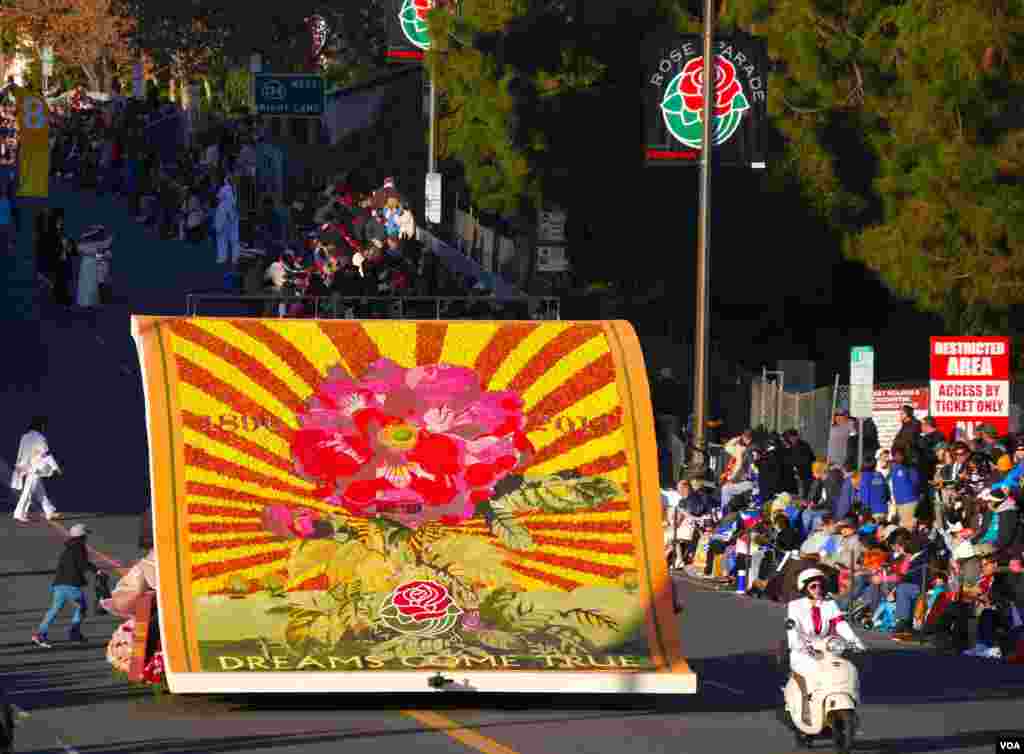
[[887, 405], [970, 384]]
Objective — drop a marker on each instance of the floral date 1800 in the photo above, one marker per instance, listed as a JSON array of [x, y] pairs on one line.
[[238, 423], [562, 424]]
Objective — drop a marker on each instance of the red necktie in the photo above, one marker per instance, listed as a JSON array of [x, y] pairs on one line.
[[816, 617]]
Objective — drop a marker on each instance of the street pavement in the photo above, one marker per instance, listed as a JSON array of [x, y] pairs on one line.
[[83, 373], [913, 700]]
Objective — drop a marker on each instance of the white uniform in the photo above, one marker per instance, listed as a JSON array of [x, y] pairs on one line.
[[225, 222], [828, 621], [34, 462]]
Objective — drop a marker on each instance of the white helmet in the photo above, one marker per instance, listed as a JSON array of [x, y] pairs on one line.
[[805, 576]]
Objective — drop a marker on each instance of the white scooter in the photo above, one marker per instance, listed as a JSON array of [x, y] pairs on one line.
[[834, 690]]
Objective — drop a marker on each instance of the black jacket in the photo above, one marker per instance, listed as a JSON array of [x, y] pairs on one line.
[[801, 458], [906, 439], [824, 492], [73, 566], [787, 539]]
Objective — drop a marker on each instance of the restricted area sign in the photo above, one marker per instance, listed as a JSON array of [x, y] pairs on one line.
[[862, 381], [970, 384], [293, 94]]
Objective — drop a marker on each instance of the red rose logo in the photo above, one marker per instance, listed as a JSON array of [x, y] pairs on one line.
[[422, 8], [420, 608], [421, 600], [691, 85]]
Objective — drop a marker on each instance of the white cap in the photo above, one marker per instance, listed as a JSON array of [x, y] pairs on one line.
[[805, 576], [79, 530]]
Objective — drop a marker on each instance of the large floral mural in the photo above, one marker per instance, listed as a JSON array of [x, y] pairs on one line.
[[397, 495]]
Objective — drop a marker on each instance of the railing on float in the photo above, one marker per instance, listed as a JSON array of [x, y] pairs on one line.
[[377, 307]]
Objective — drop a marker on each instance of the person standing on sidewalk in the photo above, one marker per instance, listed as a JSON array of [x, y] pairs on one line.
[[34, 463], [72, 574]]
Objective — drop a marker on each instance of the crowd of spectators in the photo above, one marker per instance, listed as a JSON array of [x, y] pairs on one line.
[[347, 244], [926, 537]]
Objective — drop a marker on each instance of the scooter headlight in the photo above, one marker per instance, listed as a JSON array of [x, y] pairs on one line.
[[835, 645]]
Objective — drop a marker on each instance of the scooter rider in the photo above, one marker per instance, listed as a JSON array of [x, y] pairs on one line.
[[816, 615]]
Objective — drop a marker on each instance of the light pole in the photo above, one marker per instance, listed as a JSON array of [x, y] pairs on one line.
[[700, 370]]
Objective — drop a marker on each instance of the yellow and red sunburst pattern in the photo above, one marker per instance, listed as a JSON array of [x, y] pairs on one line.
[[223, 396]]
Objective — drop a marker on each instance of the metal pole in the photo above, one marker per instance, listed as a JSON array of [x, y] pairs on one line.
[[828, 434], [700, 377], [860, 444], [431, 155]]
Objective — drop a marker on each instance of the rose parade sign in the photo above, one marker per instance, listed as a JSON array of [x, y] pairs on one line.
[[408, 35], [357, 506], [674, 100]]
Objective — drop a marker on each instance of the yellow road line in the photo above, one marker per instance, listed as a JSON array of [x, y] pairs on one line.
[[459, 733]]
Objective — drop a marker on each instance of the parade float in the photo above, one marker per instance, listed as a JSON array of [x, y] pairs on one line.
[[399, 506]]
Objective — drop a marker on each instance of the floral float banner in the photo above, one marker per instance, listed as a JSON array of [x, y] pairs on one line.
[[358, 506]]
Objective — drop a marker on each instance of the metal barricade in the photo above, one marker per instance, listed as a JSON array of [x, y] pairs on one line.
[[373, 307]]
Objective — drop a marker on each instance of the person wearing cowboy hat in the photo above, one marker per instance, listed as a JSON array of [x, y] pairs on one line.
[[72, 574], [815, 614]]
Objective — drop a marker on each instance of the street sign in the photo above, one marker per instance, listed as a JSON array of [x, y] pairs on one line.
[[298, 95], [433, 194], [47, 61], [862, 381]]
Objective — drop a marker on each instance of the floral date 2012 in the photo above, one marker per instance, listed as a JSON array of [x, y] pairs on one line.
[[562, 424]]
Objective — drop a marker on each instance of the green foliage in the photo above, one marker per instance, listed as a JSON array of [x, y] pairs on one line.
[[237, 89], [899, 128]]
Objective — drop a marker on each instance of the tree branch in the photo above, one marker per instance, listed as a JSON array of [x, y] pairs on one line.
[[802, 110]]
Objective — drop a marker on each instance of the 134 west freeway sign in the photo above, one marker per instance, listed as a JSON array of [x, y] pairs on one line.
[[970, 384], [673, 100]]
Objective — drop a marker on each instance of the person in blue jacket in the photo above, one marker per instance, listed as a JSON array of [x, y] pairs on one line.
[[906, 487], [873, 490], [843, 504], [1013, 477]]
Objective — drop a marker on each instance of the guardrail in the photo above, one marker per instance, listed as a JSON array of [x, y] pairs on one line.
[[376, 307]]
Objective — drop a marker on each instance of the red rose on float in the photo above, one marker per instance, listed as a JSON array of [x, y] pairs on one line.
[[420, 608], [421, 600], [691, 85], [413, 445]]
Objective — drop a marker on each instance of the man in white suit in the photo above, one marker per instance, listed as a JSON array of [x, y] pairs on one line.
[[34, 463], [817, 616]]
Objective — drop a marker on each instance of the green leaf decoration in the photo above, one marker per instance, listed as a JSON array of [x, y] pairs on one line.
[[673, 103], [591, 618], [740, 102], [502, 640], [512, 533], [556, 494]]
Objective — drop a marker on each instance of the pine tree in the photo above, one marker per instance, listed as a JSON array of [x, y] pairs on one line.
[[901, 124]]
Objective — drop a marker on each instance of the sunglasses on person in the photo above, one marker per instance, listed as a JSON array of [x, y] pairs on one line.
[[816, 585]]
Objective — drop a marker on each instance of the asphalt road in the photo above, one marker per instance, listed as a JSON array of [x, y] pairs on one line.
[[914, 701]]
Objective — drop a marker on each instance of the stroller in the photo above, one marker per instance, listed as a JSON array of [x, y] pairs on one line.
[[96, 242]]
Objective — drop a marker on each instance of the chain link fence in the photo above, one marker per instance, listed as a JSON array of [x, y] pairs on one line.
[[775, 410]]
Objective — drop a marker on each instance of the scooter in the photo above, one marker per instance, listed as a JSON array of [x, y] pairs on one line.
[[834, 690]]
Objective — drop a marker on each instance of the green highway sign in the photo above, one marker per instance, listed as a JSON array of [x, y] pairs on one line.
[[289, 94]]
